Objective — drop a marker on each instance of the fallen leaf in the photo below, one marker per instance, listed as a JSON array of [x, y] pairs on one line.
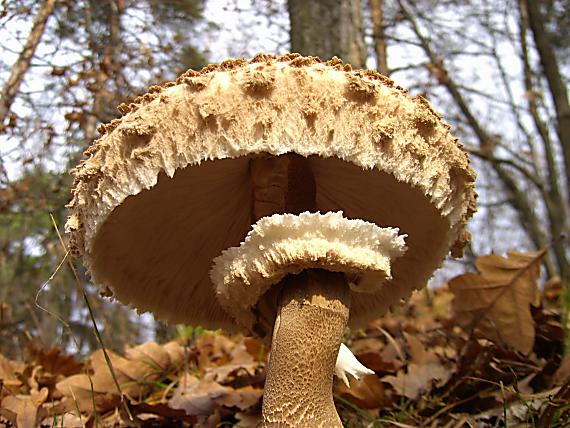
[[418, 353], [195, 397], [562, 375], [215, 350], [497, 300], [67, 420], [552, 289], [256, 348], [151, 353], [374, 361], [241, 363], [176, 352], [25, 407], [200, 397], [247, 420], [56, 363], [9, 374], [366, 393], [134, 375], [161, 409], [418, 380], [242, 398]]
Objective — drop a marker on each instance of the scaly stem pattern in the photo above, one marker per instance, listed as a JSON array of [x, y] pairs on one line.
[[312, 314]]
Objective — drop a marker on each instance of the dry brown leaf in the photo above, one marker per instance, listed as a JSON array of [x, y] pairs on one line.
[[247, 420], [146, 364], [497, 300], [214, 350], [9, 371], [256, 348], [242, 398], [151, 353], [241, 363], [377, 355], [67, 420], [200, 397], [562, 374], [176, 352], [25, 407], [374, 361], [196, 398], [418, 353], [366, 393], [160, 357], [419, 379], [428, 314], [56, 363], [552, 289]]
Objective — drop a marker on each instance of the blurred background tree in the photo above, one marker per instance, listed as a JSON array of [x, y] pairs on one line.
[[498, 70], [75, 64]]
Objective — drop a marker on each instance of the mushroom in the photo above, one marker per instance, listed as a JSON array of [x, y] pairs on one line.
[[270, 195]]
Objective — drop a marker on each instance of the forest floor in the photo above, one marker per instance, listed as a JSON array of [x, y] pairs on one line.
[[444, 359]]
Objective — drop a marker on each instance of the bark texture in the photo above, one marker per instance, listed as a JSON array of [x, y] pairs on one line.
[[552, 194], [556, 84], [22, 65], [313, 313], [377, 15], [328, 28]]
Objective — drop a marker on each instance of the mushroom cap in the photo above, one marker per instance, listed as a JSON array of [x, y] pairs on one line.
[[167, 188]]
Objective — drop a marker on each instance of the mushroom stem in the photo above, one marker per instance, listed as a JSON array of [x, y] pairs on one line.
[[312, 314]]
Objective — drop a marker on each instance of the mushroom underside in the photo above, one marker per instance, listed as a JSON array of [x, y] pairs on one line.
[[159, 247]]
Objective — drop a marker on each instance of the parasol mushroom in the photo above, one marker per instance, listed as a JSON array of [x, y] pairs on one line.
[[270, 194]]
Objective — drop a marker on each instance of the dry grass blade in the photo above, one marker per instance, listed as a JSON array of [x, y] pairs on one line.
[[94, 323]]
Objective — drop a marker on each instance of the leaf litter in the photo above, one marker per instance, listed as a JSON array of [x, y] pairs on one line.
[[483, 351]]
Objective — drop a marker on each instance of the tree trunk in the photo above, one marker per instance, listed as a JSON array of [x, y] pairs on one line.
[[561, 103], [328, 28], [377, 14], [556, 84], [22, 64]]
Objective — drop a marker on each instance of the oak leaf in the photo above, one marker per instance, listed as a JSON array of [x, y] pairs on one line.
[[497, 300], [366, 393], [55, 362], [10, 374], [200, 397], [142, 365], [196, 398], [419, 379], [25, 407]]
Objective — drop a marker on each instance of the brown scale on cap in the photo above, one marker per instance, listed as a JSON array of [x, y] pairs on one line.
[[362, 90], [266, 58], [258, 82]]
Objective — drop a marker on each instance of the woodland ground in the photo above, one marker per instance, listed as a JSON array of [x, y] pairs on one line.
[[483, 351]]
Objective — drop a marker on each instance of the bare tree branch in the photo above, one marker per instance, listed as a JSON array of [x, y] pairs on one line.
[[519, 199], [22, 64]]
